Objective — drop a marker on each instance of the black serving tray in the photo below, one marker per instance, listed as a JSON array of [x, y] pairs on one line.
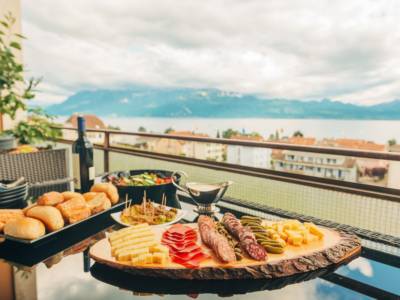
[[71, 227], [29, 253]]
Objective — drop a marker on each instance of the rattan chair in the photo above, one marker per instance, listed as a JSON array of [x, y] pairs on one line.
[[47, 170]]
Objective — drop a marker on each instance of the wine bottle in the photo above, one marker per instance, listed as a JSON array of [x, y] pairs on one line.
[[82, 159]]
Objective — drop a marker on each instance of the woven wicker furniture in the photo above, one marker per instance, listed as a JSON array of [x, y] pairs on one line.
[[46, 170]]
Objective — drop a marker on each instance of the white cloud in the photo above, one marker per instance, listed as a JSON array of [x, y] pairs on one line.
[[363, 265], [344, 50]]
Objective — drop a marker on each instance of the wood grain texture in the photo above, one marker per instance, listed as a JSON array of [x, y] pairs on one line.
[[336, 247]]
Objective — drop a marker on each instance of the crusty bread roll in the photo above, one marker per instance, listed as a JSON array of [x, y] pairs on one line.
[[7, 215], [99, 203], [89, 196], [50, 198], [73, 206], [25, 228], [49, 215], [79, 214], [25, 209], [69, 195], [109, 189]]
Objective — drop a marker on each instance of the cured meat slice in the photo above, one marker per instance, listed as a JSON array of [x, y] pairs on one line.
[[216, 241], [185, 248], [194, 262], [245, 236], [180, 229], [256, 251], [186, 255], [181, 240]]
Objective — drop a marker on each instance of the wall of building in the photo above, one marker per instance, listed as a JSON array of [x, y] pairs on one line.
[[316, 164], [13, 6], [249, 156]]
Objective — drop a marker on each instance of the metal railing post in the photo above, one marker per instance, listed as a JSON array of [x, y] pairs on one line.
[[106, 151]]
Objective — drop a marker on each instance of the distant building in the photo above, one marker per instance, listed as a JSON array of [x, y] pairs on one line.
[[199, 150], [92, 122], [248, 156], [371, 171], [313, 164]]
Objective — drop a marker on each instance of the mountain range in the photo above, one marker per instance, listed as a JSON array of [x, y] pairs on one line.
[[212, 103]]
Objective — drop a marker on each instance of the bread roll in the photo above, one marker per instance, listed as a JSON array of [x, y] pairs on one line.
[[89, 196], [99, 203], [50, 198], [67, 208], [79, 214], [7, 215], [109, 189], [2, 226], [25, 228], [69, 195], [49, 215]]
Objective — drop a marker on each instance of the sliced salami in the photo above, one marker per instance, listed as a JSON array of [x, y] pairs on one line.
[[256, 251], [245, 236], [214, 240]]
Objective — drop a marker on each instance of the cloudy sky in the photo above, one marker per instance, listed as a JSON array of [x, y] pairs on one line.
[[347, 50]]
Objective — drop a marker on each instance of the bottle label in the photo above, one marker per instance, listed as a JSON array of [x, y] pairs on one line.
[[91, 173], [76, 170]]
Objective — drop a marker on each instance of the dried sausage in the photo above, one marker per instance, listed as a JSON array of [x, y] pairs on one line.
[[216, 241]]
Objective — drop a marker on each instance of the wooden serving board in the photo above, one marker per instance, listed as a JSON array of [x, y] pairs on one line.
[[336, 247]]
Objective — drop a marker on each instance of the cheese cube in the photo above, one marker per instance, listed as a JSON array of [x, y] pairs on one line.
[[314, 230], [159, 258], [159, 248], [129, 254]]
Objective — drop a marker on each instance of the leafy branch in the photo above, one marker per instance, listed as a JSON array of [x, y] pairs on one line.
[[15, 91]]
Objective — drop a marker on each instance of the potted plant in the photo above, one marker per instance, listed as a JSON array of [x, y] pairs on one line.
[[45, 170]]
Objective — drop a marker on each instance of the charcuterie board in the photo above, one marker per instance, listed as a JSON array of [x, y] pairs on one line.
[[335, 248]]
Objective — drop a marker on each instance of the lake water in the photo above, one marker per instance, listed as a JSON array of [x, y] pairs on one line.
[[377, 131]]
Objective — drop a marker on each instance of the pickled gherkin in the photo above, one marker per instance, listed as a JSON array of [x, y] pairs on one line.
[[263, 236]]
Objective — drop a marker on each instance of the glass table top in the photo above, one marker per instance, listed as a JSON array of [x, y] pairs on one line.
[[70, 274]]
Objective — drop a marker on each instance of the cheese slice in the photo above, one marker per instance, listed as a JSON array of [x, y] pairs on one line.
[[128, 229], [134, 247], [142, 259], [129, 254], [139, 240], [126, 234], [134, 240], [131, 237]]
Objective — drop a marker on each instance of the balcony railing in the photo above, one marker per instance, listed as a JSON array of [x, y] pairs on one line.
[[358, 188], [370, 211]]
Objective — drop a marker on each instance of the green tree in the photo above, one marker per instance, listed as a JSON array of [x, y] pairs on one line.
[[142, 129], [169, 130], [277, 135], [298, 133], [218, 135], [254, 133], [392, 142], [227, 134], [112, 127]]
